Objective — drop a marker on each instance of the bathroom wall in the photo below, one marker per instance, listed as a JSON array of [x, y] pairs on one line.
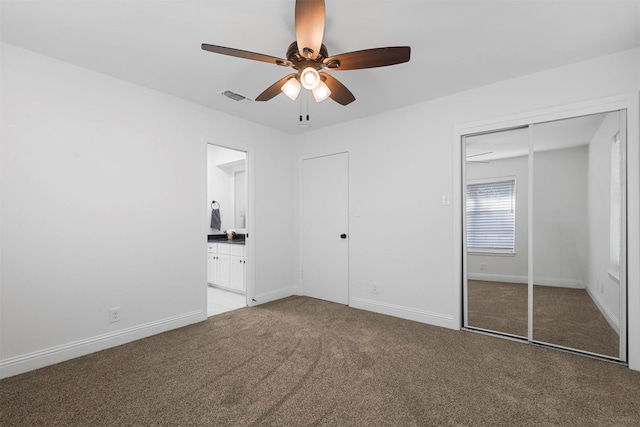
[[221, 184]]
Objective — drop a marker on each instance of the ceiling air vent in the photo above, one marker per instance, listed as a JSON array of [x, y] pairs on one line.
[[235, 96]]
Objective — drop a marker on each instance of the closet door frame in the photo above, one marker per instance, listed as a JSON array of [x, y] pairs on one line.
[[629, 316]]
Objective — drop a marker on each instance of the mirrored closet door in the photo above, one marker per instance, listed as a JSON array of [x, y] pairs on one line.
[[544, 233], [496, 222]]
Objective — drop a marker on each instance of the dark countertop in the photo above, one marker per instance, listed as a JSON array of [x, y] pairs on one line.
[[222, 238]]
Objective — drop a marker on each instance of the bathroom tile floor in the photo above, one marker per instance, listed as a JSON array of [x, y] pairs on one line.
[[220, 301]]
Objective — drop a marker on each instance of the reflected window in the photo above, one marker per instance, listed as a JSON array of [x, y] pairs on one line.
[[491, 215]]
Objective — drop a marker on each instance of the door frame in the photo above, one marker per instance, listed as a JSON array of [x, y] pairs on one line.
[[250, 184], [628, 102]]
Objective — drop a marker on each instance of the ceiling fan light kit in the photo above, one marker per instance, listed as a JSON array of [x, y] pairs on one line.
[[291, 88], [321, 91], [307, 55], [309, 78]]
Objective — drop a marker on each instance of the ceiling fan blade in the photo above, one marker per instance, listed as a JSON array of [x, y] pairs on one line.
[[339, 92], [309, 27], [274, 89], [369, 58], [245, 54]]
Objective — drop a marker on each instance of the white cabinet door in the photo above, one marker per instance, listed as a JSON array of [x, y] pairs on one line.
[[237, 272], [223, 270], [212, 262], [226, 266], [212, 267]]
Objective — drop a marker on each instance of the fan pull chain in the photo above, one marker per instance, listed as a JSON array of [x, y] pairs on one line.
[[307, 108], [304, 124]]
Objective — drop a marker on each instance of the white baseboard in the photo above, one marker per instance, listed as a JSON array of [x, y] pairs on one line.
[[50, 356], [497, 277], [422, 316], [613, 321], [538, 281], [275, 295], [560, 283]]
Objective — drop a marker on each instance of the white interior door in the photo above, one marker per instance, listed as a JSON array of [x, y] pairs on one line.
[[325, 222]]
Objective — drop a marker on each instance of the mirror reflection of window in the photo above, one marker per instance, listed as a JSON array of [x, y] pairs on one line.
[[491, 215]]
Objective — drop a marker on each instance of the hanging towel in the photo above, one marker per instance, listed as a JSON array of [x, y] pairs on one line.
[[215, 218]]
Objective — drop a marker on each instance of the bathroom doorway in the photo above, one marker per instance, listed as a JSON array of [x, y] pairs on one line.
[[227, 234]]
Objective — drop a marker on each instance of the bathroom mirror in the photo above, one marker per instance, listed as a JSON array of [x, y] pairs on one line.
[[226, 185]]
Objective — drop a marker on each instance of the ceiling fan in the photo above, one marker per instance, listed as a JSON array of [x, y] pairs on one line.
[[309, 57]]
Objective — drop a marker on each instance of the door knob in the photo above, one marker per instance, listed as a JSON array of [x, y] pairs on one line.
[[343, 236]]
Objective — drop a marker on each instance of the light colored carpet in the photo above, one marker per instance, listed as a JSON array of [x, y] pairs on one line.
[[561, 316], [305, 362]]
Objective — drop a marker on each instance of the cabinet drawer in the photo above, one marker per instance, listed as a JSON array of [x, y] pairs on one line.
[[237, 250], [212, 247], [223, 248]]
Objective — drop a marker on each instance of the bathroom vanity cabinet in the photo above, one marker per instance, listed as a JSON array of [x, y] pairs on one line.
[[226, 265]]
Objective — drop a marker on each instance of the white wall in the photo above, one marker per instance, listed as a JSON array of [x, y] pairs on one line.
[[224, 156], [560, 227], [607, 295], [401, 162], [103, 188]]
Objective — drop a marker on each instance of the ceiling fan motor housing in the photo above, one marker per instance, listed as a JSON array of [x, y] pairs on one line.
[[300, 63]]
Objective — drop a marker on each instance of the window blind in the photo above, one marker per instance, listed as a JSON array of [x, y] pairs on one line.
[[491, 215]]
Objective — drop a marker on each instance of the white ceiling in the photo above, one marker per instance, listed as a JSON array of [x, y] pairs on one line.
[[456, 45]]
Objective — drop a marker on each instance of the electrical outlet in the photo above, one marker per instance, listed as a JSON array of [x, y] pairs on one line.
[[114, 314], [374, 288]]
